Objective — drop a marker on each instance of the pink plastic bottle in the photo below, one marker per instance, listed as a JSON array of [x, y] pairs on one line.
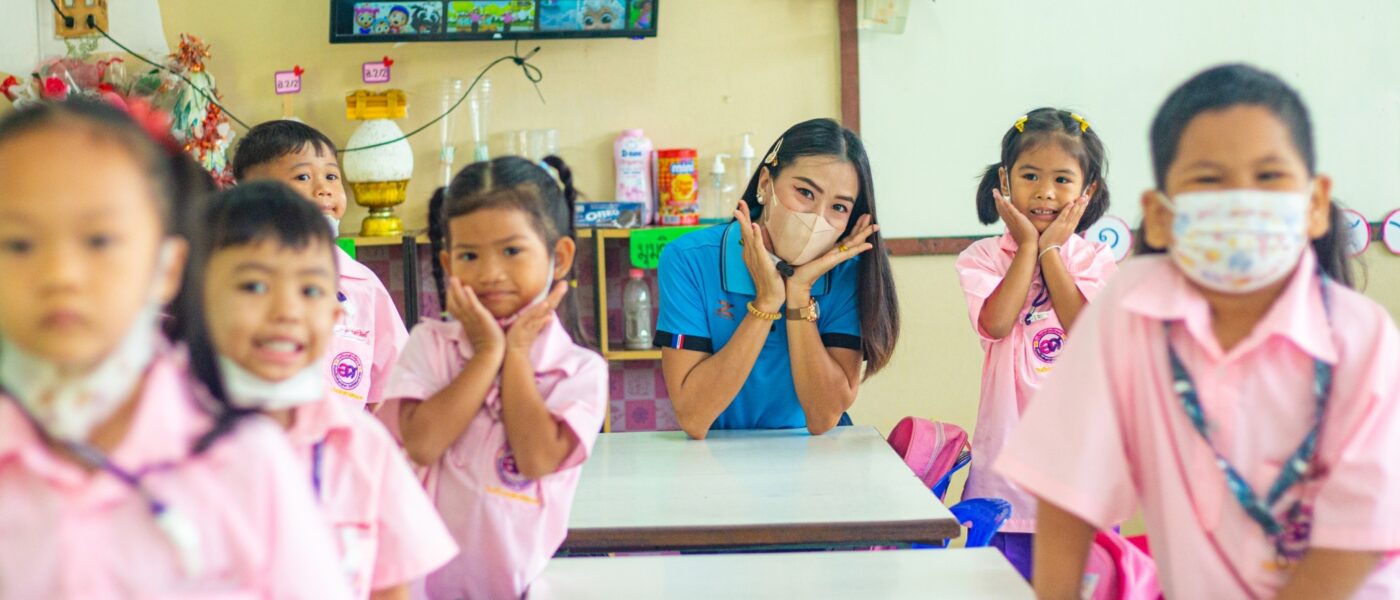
[[632, 157]]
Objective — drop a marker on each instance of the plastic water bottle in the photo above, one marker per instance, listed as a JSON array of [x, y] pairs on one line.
[[636, 309]]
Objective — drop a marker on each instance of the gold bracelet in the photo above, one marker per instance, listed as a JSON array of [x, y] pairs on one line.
[[766, 316]]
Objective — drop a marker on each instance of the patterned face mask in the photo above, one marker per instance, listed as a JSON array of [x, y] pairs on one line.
[[1238, 241]]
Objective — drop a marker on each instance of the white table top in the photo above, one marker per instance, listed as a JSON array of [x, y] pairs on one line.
[[945, 574], [846, 479]]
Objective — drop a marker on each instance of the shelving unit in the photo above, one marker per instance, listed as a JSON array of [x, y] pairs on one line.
[[611, 351]]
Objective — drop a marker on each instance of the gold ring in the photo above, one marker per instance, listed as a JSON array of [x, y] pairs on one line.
[[843, 247]]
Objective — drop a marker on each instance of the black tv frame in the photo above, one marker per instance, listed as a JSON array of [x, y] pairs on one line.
[[342, 13]]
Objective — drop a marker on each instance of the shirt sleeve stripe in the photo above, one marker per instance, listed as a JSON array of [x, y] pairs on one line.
[[679, 341]]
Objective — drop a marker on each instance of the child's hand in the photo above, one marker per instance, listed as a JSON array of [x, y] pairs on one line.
[[1064, 225], [477, 323], [806, 275], [533, 320], [766, 280], [1021, 228]]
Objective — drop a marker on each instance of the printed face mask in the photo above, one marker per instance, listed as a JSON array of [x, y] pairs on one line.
[[1238, 241], [68, 406], [797, 237]]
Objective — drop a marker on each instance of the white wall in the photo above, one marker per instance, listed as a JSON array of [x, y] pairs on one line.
[[936, 100]]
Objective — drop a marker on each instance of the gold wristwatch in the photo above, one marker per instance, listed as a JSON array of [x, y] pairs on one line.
[[808, 313]]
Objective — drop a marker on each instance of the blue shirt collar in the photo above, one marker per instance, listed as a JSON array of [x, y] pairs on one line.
[[734, 274]]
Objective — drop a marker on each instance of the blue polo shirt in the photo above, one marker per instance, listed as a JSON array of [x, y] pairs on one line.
[[705, 289]]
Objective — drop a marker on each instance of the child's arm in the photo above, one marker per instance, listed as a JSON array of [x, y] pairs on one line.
[[1062, 543], [1003, 306], [399, 592], [539, 441], [1065, 296], [429, 428], [1327, 573]]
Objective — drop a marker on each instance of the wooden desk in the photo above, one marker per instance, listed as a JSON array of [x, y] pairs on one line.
[[978, 573], [661, 491]]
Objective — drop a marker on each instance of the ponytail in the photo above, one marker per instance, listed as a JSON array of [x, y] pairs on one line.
[[986, 201], [435, 241], [569, 306]]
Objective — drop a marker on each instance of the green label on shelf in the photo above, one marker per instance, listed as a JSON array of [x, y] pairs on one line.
[[647, 244], [346, 244]]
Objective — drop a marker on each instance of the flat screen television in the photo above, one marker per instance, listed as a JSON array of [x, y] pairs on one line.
[[367, 21]]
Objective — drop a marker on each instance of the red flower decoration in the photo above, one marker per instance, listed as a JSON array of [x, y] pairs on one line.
[[298, 70], [154, 120], [8, 86], [55, 89], [388, 62]]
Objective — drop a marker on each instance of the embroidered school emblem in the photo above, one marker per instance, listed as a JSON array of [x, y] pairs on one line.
[[725, 310], [346, 370], [507, 471], [1048, 343]]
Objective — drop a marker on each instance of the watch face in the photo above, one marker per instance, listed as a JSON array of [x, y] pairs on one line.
[[816, 310]]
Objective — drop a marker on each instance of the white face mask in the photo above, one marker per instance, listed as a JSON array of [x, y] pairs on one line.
[[798, 238], [335, 225], [1238, 241], [248, 391], [506, 322], [68, 406]]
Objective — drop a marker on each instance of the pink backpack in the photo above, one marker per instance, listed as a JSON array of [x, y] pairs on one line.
[[1119, 569], [930, 448]]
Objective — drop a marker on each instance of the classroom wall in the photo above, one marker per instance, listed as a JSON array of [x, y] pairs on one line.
[[717, 69]]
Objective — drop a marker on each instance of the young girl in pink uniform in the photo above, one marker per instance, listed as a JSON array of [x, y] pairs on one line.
[[500, 404], [369, 332], [116, 481], [1234, 388], [263, 280], [1025, 288]]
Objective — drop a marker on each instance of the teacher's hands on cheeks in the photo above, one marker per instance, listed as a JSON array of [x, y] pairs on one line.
[[477, 323], [800, 284], [766, 280], [1021, 228], [534, 319]]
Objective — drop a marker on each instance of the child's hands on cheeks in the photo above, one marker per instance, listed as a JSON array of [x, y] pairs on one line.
[[534, 319], [1064, 225], [477, 323], [1022, 230]]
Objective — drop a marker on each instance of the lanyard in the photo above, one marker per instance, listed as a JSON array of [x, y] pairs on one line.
[[1041, 298], [318, 453], [1295, 469], [179, 530]]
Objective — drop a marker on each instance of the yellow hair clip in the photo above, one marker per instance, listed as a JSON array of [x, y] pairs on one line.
[[1021, 123], [772, 158], [1083, 124]]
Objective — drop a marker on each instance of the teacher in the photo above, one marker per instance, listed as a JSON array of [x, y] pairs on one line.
[[765, 320]]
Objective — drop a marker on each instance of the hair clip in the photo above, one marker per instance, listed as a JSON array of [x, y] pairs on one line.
[[1083, 124], [1021, 123], [772, 158]]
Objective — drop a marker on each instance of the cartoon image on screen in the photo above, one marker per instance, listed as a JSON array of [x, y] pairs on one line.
[[581, 15], [397, 18], [639, 17], [490, 15]]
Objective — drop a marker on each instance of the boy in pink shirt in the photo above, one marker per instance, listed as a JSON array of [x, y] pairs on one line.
[[369, 332], [265, 279], [1237, 390], [1025, 288], [500, 405], [114, 481]]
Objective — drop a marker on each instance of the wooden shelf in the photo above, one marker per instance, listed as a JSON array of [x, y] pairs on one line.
[[632, 355], [366, 242], [606, 233]]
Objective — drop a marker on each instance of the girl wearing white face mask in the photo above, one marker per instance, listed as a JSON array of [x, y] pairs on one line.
[[116, 481], [765, 322], [264, 279], [500, 405], [1235, 389]]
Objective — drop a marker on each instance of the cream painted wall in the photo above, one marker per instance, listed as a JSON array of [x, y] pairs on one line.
[[718, 68], [936, 371]]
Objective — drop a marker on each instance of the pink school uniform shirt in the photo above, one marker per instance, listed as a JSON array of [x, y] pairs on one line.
[[67, 533], [1015, 366], [367, 337], [388, 532], [1108, 433], [507, 526]]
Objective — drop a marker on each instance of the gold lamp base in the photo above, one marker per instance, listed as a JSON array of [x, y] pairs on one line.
[[380, 197]]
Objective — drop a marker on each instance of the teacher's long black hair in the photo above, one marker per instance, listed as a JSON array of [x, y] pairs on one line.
[[879, 307]]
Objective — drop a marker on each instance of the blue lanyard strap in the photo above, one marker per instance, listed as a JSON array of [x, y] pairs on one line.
[[318, 452], [1295, 469], [1041, 298]]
